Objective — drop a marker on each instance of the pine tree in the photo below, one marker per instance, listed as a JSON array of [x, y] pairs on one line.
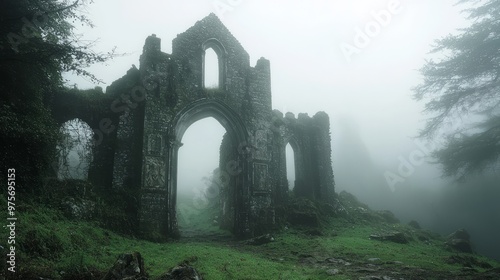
[[466, 82]]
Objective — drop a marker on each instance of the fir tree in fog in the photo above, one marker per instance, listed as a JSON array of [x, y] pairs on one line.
[[465, 83]]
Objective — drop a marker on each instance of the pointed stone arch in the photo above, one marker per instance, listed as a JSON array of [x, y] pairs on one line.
[[237, 132], [292, 141], [252, 152]]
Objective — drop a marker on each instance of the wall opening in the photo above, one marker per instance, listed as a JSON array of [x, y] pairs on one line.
[[198, 196], [75, 150], [211, 69], [290, 166]]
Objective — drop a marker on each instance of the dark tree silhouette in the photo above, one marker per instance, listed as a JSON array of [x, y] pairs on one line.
[[466, 82], [38, 43]]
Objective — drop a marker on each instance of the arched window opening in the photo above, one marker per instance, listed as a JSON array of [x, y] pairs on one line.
[[75, 150], [198, 195], [290, 166], [211, 69]]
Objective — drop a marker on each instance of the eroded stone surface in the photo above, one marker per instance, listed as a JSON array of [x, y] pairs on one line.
[[151, 107]]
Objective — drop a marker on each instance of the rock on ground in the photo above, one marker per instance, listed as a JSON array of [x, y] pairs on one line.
[[127, 267], [182, 272]]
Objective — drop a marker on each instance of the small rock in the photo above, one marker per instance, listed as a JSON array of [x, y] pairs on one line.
[[374, 260], [308, 260], [332, 272], [397, 237], [371, 278], [337, 261], [182, 272], [127, 266], [366, 270], [259, 240]]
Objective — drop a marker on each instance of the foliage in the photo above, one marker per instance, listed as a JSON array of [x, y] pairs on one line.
[[52, 246], [37, 44], [465, 82], [214, 184]]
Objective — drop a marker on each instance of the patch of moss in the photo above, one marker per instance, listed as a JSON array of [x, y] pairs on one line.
[[53, 246]]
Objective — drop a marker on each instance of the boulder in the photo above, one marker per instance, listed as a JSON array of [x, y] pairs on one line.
[[414, 224], [460, 241], [460, 234], [127, 267], [460, 245]]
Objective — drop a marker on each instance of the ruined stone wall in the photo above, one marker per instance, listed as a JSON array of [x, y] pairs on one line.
[[252, 157], [176, 98], [103, 112], [311, 143]]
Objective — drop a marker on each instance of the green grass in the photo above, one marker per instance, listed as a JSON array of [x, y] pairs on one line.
[[49, 245], [197, 218]]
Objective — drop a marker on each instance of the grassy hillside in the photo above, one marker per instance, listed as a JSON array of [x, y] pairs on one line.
[[53, 246]]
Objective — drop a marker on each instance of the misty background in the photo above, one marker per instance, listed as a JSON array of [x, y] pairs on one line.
[[367, 95]]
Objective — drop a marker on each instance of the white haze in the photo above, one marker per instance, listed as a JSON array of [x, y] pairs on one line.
[[373, 117]]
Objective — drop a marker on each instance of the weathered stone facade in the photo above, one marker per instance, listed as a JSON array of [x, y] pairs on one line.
[[169, 96]]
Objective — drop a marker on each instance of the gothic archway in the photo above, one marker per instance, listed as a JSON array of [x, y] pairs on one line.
[[234, 169]]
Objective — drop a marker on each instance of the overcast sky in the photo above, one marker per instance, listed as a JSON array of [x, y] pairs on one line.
[[307, 43], [365, 91]]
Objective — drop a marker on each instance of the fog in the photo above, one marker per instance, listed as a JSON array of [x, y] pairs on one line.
[[366, 93]]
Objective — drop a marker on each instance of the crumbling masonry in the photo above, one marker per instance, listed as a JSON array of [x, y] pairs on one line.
[[166, 95]]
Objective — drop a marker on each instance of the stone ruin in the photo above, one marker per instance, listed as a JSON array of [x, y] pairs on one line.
[[153, 105]]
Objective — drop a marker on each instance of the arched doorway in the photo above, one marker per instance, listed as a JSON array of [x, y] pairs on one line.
[[75, 150], [233, 166], [198, 189]]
